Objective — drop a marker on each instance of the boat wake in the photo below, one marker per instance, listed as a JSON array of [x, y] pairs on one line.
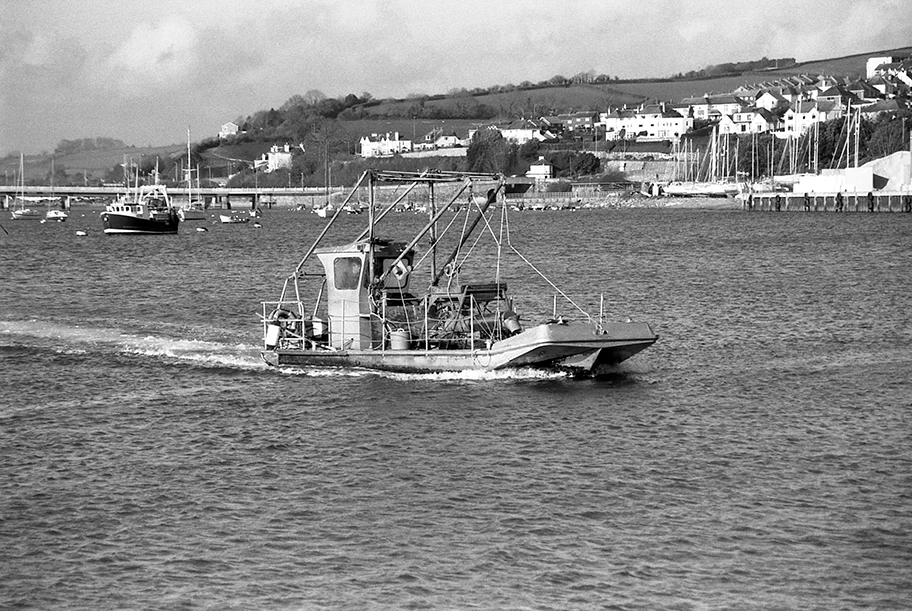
[[78, 339]]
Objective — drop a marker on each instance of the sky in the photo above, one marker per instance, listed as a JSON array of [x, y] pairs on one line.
[[145, 72]]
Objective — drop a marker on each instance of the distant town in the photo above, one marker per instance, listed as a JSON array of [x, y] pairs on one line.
[[785, 108]]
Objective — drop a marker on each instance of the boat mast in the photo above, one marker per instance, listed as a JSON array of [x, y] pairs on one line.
[[370, 223], [432, 236]]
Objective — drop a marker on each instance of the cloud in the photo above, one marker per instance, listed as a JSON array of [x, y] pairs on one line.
[[142, 72], [155, 53]]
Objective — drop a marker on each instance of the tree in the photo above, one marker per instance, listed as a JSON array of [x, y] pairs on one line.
[[889, 135], [294, 102], [486, 152], [585, 163], [528, 151], [314, 95]]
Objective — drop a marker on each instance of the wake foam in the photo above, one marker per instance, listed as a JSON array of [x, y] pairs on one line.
[[444, 376], [73, 339]]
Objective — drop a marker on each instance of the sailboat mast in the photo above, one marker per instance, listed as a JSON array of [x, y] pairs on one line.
[[857, 134]]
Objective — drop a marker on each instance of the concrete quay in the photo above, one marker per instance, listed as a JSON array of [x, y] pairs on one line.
[[873, 201]]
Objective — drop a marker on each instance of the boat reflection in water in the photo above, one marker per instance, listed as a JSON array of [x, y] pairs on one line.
[[369, 309]]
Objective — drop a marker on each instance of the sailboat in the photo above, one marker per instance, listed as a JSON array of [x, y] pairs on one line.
[[195, 208], [367, 306], [20, 212], [711, 183], [56, 214]]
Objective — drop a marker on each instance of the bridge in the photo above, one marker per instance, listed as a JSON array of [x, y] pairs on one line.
[[219, 195]]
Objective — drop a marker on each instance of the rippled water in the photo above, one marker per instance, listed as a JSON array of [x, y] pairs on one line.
[[757, 457]]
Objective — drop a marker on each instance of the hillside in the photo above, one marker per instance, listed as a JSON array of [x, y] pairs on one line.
[[852, 66], [94, 163], [516, 103]]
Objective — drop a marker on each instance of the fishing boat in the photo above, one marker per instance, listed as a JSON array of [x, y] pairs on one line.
[[147, 210], [19, 211], [364, 304]]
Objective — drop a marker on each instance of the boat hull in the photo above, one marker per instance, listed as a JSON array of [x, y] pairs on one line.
[[580, 348], [701, 189], [124, 223], [27, 215], [233, 220]]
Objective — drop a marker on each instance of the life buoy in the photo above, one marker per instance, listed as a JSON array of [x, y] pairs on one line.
[[401, 271], [449, 270], [279, 315]]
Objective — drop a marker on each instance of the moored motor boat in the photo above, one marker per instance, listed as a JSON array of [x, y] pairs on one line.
[[56, 215], [370, 310], [148, 210], [230, 219]]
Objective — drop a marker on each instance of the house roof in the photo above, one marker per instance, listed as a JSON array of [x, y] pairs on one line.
[[773, 94], [713, 100], [806, 106], [767, 115], [885, 106], [520, 124]]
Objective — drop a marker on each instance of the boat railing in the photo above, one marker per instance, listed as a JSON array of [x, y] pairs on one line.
[[544, 307], [287, 325]]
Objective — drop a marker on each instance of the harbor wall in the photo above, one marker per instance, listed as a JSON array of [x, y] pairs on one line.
[[871, 201]]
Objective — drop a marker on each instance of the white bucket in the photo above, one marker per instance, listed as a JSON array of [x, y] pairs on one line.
[[319, 327], [400, 339], [272, 335]]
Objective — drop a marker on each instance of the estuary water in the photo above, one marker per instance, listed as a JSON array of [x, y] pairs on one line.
[[757, 457]]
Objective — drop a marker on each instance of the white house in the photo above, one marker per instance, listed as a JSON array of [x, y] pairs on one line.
[[653, 121], [275, 159], [712, 107], [540, 170], [771, 100], [802, 115], [748, 121], [617, 122], [385, 145], [522, 131], [228, 129], [874, 63]]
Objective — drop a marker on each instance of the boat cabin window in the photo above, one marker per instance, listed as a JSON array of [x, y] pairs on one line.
[[347, 272]]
